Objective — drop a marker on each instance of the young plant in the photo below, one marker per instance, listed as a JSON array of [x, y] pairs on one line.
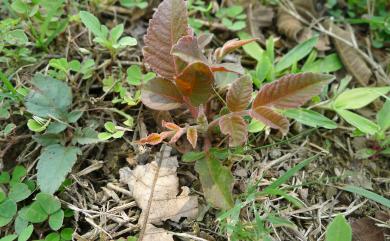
[[186, 79], [110, 40], [46, 14], [52, 117], [232, 17]]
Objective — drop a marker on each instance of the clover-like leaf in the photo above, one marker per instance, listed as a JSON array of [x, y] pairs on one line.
[[161, 94], [236, 127], [239, 94], [196, 83], [168, 25]]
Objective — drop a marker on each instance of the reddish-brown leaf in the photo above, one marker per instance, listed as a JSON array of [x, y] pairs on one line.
[[168, 25], [236, 127], [161, 94], [152, 139], [192, 136], [228, 67], [291, 91], [204, 39], [239, 94], [171, 126], [270, 118], [177, 135], [230, 46], [187, 49], [196, 82]]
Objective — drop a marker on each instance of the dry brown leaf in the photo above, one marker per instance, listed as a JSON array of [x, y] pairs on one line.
[[156, 234], [364, 229], [351, 59], [165, 202], [291, 26]]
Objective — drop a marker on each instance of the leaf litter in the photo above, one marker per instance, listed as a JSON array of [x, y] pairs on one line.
[[155, 188]]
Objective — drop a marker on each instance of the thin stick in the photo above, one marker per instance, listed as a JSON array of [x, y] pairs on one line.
[[147, 210]]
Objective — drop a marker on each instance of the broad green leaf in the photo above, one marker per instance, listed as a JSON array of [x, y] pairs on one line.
[[67, 233], [168, 25], [126, 41], [26, 233], [10, 237], [4, 177], [358, 97], [252, 49], [110, 126], [55, 128], [56, 220], [363, 124], [55, 162], [18, 173], [368, 194], [236, 127], [74, 116], [134, 75], [310, 118], [328, 64], [49, 97], [53, 237], [19, 192], [296, 54], [217, 182], [263, 67], [161, 94], [255, 126], [16, 37], [7, 211], [116, 33], [49, 203], [383, 116], [338, 230], [20, 223], [85, 136], [103, 136], [34, 213], [35, 126], [3, 196], [93, 24], [192, 156]]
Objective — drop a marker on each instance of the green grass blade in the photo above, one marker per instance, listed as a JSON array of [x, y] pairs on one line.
[[368, 194]]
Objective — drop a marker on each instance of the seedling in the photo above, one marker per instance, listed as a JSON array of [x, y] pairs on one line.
[[232, 17], [186, 79], [110, 40]]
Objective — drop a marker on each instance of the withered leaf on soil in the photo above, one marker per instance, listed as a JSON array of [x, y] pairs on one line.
[[166, 203], [161, 94], [192, 136], [365, 229], [168, 25], [239, 94], [291, 26], [351, 59], [196, 82]]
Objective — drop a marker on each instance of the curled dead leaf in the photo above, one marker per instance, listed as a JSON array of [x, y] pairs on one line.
[[231, 46]]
